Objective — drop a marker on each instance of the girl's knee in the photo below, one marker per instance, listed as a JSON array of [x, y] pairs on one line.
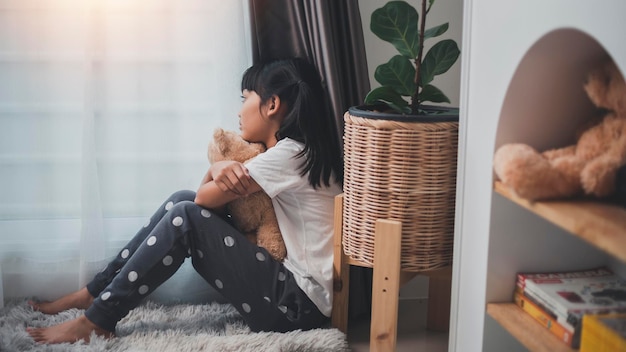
[[190, 207], [183, 207], [182, 195]]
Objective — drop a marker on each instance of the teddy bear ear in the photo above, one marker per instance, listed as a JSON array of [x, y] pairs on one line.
[[220, 141], [218, 133]]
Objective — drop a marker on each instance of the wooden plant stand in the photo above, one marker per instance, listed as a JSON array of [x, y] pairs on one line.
[[387, 280]]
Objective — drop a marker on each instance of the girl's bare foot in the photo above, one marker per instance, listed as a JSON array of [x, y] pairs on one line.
[[80, 299], [70, 331]]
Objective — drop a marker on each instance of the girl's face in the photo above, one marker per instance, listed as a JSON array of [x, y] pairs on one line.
[[254, 123]]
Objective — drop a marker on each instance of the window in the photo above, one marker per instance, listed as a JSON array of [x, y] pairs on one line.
[[106, 108]]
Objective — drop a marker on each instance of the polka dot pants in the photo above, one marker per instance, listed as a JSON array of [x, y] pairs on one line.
[[262, 289]]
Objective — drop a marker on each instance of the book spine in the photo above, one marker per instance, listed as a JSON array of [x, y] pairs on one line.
[[549, 308], [546, 320], [573, 324], [544, 296]]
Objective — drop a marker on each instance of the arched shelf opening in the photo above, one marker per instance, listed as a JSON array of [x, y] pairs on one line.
[[545, 103]]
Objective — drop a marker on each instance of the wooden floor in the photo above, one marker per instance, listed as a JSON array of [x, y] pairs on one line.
[[412, 333]]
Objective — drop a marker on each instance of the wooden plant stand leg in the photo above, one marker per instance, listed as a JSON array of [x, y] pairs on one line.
[[386, 285], [439, 292], [341, 272]]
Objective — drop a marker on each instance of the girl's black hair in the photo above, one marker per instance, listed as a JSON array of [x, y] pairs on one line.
[[298, 85]]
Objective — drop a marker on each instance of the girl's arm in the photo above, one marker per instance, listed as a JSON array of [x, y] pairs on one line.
[[225, 181]]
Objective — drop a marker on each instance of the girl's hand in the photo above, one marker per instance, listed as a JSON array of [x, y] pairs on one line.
[[231, 176], [225, 181]]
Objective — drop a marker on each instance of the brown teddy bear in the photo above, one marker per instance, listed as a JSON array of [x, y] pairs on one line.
[[590, 166], [254, 214]]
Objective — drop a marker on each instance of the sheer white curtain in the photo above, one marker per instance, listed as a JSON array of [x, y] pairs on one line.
[[106, 108]]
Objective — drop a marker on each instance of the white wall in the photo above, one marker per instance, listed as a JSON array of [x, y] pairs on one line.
[[379, 51]]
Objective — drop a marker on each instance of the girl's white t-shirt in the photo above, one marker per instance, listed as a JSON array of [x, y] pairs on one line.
[[305, 218]]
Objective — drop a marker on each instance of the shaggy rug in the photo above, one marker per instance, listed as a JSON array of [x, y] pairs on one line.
[[157, 328]]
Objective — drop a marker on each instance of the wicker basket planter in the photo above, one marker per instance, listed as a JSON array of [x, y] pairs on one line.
[[400, 168]]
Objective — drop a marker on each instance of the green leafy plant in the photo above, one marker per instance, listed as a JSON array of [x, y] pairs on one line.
[[407, 74]]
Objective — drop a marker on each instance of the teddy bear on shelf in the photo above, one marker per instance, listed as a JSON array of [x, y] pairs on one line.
[[591, 166], [254, 214]]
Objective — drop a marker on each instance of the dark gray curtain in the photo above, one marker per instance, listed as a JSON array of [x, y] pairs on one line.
[[330, 34], [327, 32]]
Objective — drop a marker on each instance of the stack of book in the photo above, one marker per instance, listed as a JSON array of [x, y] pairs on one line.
[[559, 300]]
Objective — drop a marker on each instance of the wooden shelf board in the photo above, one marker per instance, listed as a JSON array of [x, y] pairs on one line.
[[601, 224], [525, 329]]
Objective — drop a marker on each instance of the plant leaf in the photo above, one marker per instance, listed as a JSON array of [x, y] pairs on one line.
[[396, 23], [432, 94], [389, 97], [436, 31], [438, 60], [397, 73]]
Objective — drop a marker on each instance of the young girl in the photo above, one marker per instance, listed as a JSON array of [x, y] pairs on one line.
[[302, 170]]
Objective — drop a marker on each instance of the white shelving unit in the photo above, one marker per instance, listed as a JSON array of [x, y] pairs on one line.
[[524, 64]]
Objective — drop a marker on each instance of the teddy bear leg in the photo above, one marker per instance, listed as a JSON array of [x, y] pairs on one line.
[[270, 238], [530, 175]]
